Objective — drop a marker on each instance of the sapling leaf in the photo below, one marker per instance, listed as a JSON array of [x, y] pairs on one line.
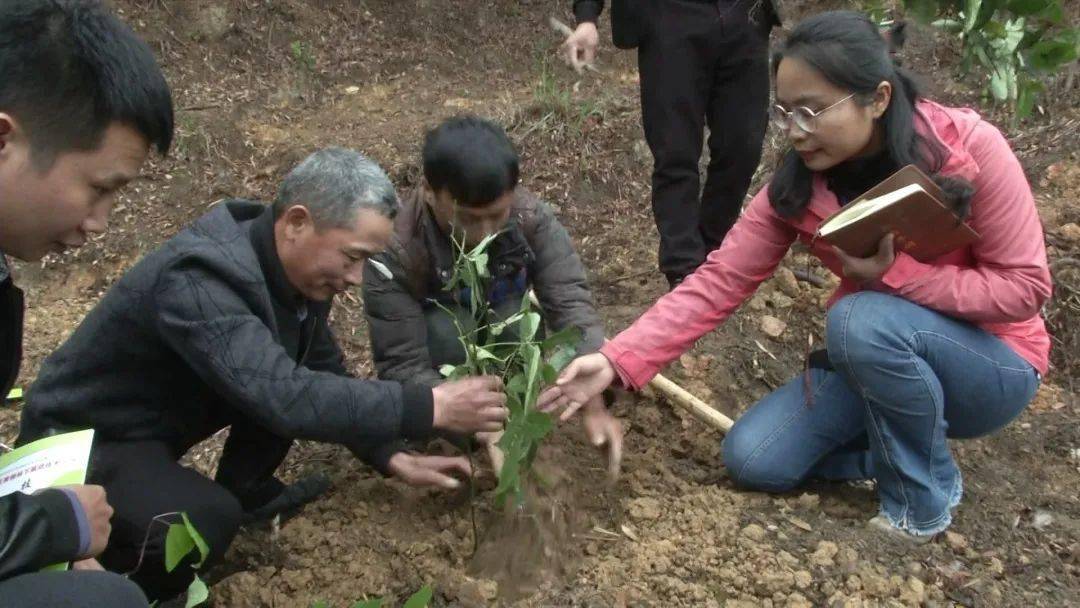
[[178, 543], [517, 385], [204, 549], [447, 370], [373, 603], [548, 374], [561, 358], [528, 326], [532, 374], [197, 593], [567, 336], [537, 425], [420, 599]]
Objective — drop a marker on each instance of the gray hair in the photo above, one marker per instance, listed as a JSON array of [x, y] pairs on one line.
[[334, 184]]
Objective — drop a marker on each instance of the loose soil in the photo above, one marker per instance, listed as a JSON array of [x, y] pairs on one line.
[[261, 83]]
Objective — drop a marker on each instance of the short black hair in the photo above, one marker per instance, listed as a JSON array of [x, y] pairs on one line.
[[70, 68], [472, 158]]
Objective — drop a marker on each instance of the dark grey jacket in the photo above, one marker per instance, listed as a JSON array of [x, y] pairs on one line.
[[187, 339], [41, 529], [420, 257]]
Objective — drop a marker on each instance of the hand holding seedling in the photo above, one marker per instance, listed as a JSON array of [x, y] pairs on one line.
[[605, 432], [864, 270], [583, 380], [98, 513], [470, 405], [421, 470]]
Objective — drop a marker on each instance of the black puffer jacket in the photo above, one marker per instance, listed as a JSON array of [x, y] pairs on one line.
[[188, 334]]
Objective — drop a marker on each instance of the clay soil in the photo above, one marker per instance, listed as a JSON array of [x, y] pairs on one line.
[[260, 83]]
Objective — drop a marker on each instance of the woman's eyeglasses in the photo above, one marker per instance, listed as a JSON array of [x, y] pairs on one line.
[[803, 117]]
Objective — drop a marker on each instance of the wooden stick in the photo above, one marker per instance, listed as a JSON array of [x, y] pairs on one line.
[[677, 395]]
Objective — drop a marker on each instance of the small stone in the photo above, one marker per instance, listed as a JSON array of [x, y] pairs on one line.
[[874, 584], [780, 301], [1041, 519], [797, 600], [913, 592], [772, 326], [645, 508], [642, 152], [956, 541], [754, 532], [847, 559], [787, 283], [803, 579], [1070, 232], [809, 501], [824, 554], [996, 566]]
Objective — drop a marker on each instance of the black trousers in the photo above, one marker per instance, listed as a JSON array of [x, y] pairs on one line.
[[701, 63], [143, 480], [77, 589]]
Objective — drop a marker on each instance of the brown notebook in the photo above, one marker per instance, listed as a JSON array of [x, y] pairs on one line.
[[908, 203]]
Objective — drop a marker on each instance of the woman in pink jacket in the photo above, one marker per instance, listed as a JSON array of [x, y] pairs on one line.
[[917, 352]]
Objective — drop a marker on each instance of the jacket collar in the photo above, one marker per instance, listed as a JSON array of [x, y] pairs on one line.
[[261, 233]]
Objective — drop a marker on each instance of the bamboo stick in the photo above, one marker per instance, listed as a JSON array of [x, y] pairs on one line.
[[678, 396]]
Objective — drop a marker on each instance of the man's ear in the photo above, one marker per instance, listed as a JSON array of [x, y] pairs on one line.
[[297, 219], [8, 129]]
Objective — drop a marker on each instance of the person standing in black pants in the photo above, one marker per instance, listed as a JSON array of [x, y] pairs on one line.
[[701, 62]]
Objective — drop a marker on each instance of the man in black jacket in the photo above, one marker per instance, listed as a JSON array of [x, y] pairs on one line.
[[82, 100], [700, 62], [226, 325], [471, 189]]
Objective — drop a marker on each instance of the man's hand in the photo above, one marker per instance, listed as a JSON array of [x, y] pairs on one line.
[[470, 405], [421, 471], [87, 564], [579, 49], [98, 513], [584, 379], [864, 270], [605, 432]]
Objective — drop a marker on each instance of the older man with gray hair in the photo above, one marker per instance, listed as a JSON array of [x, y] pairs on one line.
[[225, 325]]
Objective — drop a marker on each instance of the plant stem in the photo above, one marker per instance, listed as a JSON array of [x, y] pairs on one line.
[[472, 496]]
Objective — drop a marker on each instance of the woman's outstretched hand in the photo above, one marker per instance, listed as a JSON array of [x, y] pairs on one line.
[[585, 378]]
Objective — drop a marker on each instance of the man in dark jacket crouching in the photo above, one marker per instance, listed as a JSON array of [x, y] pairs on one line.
[[470, 189], [225, 325]]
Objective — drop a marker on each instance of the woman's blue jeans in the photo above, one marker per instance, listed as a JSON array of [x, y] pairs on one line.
[[905, 379]]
